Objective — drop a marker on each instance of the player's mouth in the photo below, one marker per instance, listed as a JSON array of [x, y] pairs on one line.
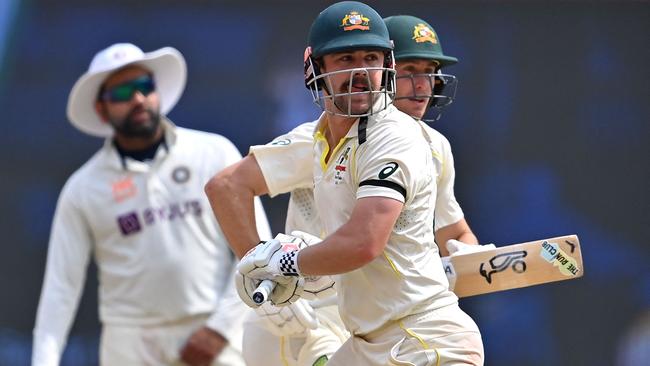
[[139, 115], [418, 100]]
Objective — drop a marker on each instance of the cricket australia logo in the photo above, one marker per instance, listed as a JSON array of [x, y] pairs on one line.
[[355, 20], [341, 166], [503, 261], [422, 33]]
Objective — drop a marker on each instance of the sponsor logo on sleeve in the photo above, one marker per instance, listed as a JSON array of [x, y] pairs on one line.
[[388, 170]]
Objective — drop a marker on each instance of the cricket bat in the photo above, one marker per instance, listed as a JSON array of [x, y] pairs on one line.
[[514, 266]]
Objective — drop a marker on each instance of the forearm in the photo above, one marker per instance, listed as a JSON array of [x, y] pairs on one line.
[[234, 209], [341, 252], [355, 244]]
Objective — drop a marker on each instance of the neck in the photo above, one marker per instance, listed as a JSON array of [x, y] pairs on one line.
[[337, 128]]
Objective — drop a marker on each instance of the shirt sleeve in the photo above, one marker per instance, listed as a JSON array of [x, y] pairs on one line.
[[287, 161], [387, 166], [67, 261], [448, 210]]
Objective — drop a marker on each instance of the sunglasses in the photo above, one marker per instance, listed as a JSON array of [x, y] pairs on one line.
[[124, 92]]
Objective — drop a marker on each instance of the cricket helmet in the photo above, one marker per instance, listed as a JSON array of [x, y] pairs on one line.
[[348, 26]]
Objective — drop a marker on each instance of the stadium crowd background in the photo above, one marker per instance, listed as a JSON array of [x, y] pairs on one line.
[[550, 131]]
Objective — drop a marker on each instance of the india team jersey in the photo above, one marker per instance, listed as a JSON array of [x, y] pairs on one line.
[[160, 253], [384, 155]]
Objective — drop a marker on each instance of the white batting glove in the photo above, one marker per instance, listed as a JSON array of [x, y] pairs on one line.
[[272, 260], [283, 294], [295, 319], [456, 247]]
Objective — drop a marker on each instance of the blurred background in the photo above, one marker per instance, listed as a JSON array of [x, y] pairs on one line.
[[550, 131]]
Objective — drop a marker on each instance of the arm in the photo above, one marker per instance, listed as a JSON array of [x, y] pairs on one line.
[[357, 242], [231, 194], [449, 218], [67, 261]]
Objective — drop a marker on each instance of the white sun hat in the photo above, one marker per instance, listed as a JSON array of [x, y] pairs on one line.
[[166, 64]]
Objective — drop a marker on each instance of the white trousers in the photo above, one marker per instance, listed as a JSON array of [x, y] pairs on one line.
[[441, 337], [263, 348], [158, 345]]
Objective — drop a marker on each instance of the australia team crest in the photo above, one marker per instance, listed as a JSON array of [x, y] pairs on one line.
[[341, 166], [422, 33], [355, 20]]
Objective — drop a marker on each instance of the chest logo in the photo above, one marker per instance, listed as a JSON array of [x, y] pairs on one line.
[[123, 189], [181, 174], [341, 166]]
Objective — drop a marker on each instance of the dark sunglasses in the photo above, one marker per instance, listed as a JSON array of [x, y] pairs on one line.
[[124, 92]]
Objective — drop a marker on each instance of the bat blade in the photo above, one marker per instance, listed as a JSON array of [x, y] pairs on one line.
[[515, 266]]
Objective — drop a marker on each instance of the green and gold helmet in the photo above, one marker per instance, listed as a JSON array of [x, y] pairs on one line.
[[415, 39], [342, 27]]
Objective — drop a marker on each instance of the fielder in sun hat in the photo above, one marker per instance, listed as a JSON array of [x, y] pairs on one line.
[[166, 64]]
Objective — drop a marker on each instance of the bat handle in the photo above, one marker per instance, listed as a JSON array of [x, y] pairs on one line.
[[263, 291]]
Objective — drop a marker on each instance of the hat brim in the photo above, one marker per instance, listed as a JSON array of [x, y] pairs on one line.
[[444, 60], [169, 71]]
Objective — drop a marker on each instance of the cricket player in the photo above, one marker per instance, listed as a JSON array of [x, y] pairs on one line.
[[166, 293], [296, 169]]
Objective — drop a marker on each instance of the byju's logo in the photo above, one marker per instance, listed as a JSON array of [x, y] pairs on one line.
[[129, 223], [502, 261], [134, 222]]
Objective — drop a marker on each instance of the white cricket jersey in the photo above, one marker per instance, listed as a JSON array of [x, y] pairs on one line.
[[284, 166], [160, 253], [384, 155], [448, 210]]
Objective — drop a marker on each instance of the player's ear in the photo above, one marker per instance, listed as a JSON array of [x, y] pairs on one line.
[[100, 108]]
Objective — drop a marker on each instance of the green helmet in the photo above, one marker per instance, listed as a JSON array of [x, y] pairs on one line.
[[415, 38], [348, 25], [342, 27]]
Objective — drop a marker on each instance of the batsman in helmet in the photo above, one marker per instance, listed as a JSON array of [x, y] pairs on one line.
[[374, 187]]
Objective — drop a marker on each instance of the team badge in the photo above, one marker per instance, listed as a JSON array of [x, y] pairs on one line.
[[422, 33], [355, 20], [181, 174], [123, 189], [341, 167]]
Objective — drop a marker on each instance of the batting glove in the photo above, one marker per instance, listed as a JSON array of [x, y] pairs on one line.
[[284, 293], [295, 319], [273, 260], [456, 247]]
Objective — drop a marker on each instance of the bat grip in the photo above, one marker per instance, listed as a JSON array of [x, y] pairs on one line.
[[263, 291]]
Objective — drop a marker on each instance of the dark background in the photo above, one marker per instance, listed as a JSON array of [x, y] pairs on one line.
[[550, 131]]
